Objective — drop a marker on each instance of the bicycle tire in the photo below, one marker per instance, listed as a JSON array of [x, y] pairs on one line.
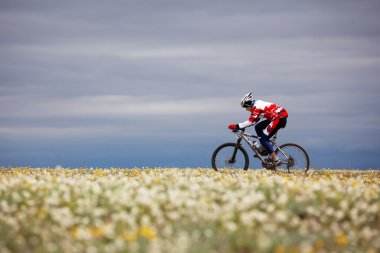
[[298, 157], [222, 154]]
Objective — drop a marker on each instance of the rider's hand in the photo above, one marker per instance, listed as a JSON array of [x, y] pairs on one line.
[[234, 127]]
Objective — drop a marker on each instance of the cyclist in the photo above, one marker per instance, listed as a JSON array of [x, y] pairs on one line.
[[275, 118]]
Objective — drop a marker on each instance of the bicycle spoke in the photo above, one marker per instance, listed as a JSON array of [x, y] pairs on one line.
[[223, 158], [293, 157]]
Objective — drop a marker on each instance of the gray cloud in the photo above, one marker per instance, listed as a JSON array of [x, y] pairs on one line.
[[95, 68]]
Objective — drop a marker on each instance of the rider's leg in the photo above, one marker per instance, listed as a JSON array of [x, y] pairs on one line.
[[266, 129], [264, 138], [281, 124], [261, 126], [277, 124]]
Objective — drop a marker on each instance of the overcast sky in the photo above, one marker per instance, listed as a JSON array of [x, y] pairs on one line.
[[156, 83]]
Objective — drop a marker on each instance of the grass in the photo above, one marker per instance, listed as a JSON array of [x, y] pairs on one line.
[[188, 210]]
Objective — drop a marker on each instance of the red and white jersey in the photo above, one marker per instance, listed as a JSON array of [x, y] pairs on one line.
[[262, 109]]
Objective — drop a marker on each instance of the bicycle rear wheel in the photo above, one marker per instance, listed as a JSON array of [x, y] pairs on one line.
[[222, 158], [293, 157]]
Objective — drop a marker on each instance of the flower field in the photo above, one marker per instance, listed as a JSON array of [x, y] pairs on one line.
[[188, 210]]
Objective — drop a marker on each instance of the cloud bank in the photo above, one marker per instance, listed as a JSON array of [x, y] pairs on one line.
[[120, 74]]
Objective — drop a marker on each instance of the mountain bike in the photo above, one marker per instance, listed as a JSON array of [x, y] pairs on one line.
[[234, 156]]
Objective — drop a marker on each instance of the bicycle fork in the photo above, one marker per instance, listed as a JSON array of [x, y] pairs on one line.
[[233, 158]]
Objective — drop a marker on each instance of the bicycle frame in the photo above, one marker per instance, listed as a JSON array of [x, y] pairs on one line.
[[244, 136]]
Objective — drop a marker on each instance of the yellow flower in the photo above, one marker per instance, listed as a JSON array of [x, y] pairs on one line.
[[294, 249], [371, 251], [129, 236], [319, 244], [279, 249], [74, 231], [341, 239], [99, 172], [147, 232], [97, 231]]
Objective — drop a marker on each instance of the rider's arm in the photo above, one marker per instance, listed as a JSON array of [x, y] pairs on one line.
[[245, 124], [251, 121]]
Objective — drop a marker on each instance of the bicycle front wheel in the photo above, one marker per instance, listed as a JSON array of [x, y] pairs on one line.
[[230, 156], [293, 157]]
